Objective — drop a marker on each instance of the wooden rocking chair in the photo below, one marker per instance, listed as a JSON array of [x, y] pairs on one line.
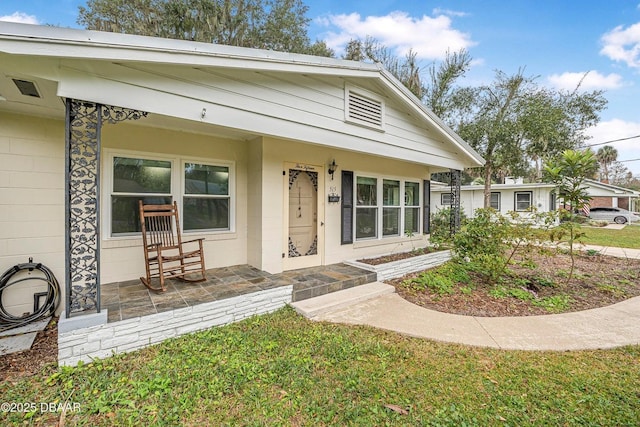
[[164, 255]]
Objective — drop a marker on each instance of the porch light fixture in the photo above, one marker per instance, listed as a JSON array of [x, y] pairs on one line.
[[332, 168]]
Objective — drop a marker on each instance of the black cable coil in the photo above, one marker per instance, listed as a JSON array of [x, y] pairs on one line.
[[9, 321]]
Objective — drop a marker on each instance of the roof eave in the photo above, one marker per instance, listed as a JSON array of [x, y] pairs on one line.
[[74, 43], [393, 82]]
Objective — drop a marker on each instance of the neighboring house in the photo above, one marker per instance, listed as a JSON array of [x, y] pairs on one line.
[[518, 196], [278, 160], [607, 195], [514, 196]]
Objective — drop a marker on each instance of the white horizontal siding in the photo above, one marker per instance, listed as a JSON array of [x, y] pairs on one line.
[[308, 101]]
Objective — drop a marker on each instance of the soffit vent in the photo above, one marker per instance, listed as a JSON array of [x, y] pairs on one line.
[[27, 88], [364, 110]]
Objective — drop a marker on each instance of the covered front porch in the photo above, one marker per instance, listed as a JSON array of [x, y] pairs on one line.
[[130, 299]]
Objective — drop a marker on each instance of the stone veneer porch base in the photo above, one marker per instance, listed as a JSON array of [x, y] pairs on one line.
[[100, 341], [394, 269]]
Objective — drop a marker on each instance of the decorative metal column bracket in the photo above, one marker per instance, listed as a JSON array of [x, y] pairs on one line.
[[454, 216], [83, 128]]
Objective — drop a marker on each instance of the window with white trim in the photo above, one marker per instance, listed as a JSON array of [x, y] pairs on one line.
[[137, 179], [411, 207], [386, 207], [391, 207], [523, 200], [446, 198], [366, 208], [202, 188], [206, 200], [494, 202]]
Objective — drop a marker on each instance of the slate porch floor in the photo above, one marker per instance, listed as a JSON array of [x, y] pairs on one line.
[[126, 300]]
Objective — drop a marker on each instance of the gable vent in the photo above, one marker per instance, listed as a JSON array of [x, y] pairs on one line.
[[364, 110], [27, 88]]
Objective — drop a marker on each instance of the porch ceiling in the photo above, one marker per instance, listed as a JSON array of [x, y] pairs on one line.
[[47, 105], [50, 105]]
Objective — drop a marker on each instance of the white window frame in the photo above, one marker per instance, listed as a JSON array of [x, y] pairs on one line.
[[515, 200], [405, 206], [448, 202], [380, 205], [499, 196], [177, 188], [358, 207], [230, 196]]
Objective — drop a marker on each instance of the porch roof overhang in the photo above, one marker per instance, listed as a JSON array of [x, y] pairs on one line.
[[106, 68]]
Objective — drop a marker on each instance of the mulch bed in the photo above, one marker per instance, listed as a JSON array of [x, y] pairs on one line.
[[398, 256], [43, 352], [597, 281]]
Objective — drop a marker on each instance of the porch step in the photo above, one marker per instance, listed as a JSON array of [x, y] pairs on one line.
[[319, 305], [316, 281]]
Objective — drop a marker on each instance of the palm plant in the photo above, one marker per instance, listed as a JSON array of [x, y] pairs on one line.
[[569, 173], [605, 156]]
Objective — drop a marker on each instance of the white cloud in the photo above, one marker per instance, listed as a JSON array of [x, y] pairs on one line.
[[614, 129], [428, 37], [449, 12], [20, 17], [623, 45], [592, 81]]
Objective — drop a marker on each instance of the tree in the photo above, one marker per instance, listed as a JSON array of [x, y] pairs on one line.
[[555, 121], [568, 173], [620, 175], [266, 24], [606, 156], [441, 94], [512, 122], [488, 121], [544, 127]]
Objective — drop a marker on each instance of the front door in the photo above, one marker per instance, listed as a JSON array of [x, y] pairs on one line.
[[304, 216]]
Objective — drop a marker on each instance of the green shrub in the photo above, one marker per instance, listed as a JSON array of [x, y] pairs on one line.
[[612, 289], [543, 281], [441, 280], [432, 280], [482, 242], [440, 233], [554, 304], [502, 292]]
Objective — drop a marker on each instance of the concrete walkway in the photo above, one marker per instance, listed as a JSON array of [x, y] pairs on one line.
[[613, 251], [378, 305]]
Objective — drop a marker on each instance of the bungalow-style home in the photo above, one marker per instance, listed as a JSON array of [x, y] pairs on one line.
[[279, 161], [515, 195]]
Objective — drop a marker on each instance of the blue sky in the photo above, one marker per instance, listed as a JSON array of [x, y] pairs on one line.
[[557, 41]]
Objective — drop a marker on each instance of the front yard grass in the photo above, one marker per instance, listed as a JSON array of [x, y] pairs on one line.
[[628, 237], [281, 369]]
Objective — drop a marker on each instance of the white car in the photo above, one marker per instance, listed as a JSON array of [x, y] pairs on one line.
[[617, 215]]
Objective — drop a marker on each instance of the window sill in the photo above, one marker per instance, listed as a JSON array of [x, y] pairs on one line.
[[130, 241], [387, 241]]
